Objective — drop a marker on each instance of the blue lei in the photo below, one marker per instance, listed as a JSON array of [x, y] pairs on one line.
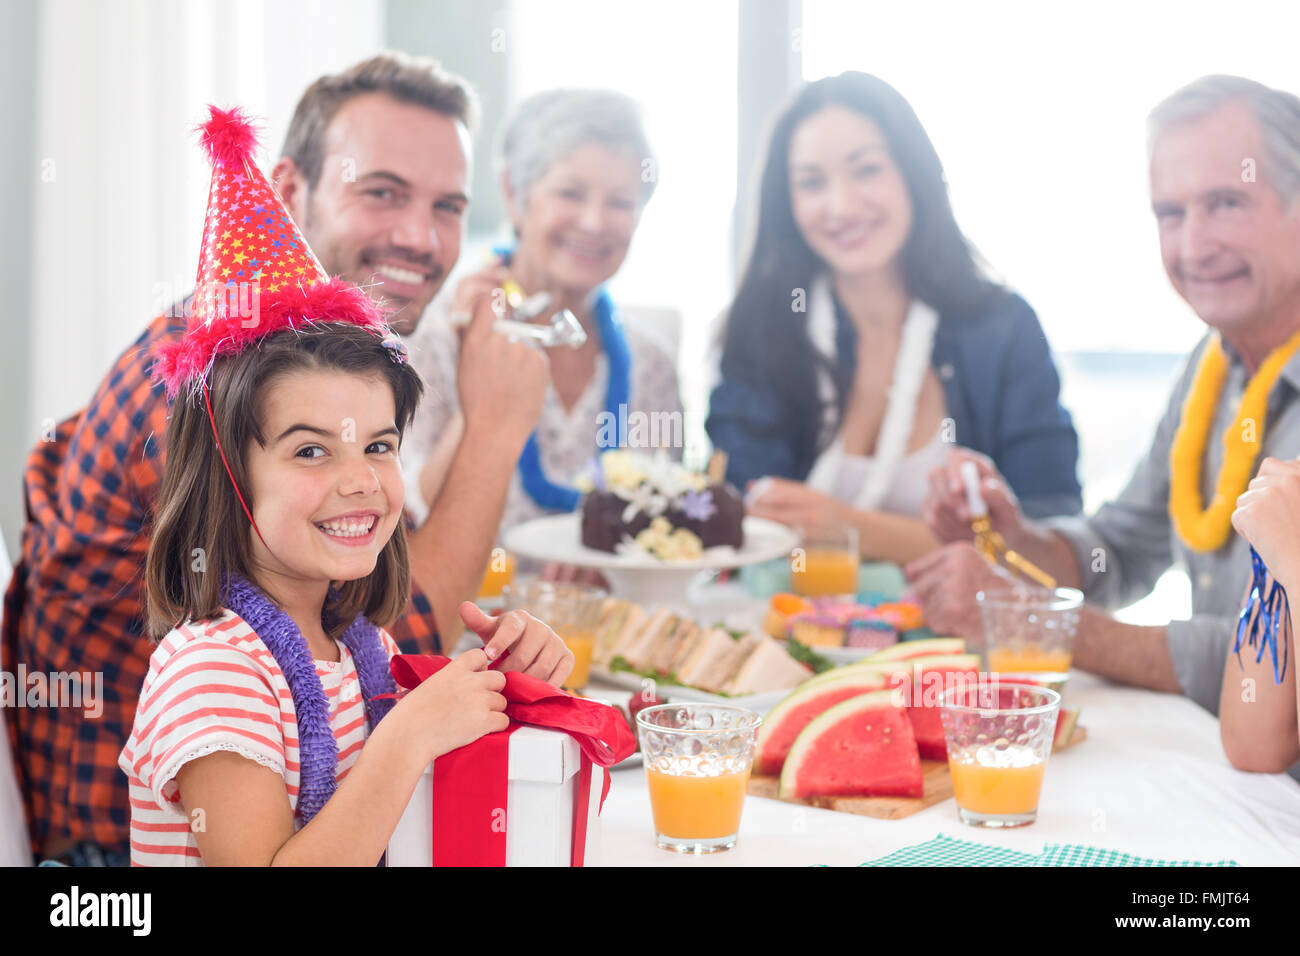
[[546, 493], [1262, 620]]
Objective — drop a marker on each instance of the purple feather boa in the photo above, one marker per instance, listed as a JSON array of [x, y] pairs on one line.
[[318, 752]]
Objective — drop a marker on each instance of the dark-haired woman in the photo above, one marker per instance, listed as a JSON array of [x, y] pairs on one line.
[[864, 341]]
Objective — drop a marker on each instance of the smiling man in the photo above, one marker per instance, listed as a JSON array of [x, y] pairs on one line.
[[375, 172], [1225, 185]]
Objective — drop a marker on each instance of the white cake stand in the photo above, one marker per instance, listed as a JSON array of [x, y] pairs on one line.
[[641, 577]]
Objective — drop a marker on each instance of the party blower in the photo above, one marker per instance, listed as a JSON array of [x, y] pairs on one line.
[[987, 541], [563, 329]]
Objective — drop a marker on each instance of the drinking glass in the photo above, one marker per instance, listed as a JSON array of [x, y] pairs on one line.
[[571, 610], [999, 736], [1029, 633], [697, 759], [826, 564]]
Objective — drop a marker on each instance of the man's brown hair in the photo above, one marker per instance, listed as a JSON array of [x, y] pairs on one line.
[[200, 531], [418, 80]]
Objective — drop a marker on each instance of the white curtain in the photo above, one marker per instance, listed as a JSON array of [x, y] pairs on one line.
[[123, 185]]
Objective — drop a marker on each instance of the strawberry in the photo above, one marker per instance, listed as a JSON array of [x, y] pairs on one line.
[[641, 700]]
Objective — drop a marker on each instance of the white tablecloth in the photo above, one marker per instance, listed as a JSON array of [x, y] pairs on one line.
[[1151, 779]]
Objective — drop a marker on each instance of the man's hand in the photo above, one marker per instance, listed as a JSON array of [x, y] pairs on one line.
[[534, 648], [945, 583], [474, 288], [795, 504], [1268, 516], [945, 510], [502, 383]]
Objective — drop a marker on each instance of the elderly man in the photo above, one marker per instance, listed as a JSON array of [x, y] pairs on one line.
[[1225, 176], [375, 171]]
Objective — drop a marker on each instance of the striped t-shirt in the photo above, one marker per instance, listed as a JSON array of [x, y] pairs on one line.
[[214, 685]]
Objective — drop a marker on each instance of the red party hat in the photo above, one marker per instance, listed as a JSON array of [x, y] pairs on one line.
[[256, 273]]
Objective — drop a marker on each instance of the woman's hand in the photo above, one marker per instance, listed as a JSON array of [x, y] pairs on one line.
[[534, 648], [795, 504], [1268, 516]]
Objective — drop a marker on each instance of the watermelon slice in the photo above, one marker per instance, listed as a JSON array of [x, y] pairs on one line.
[[860, 747], [810, 700], [1066, 720], [932, 676], [886, 669], [926, 647]]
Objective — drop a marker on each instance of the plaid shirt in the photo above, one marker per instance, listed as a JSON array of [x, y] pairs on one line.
[[76, 602]]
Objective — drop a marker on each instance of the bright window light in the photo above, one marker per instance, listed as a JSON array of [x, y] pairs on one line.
[[1038, 111]]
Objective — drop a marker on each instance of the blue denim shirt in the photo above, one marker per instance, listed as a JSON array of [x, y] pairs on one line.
[[1002, 393]]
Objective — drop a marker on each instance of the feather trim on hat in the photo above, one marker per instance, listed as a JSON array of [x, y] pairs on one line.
[[293, 307]]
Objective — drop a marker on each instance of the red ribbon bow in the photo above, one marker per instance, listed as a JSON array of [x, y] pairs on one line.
[[470, 783]]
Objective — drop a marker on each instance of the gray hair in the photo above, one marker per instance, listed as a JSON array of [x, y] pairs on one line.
[[1276, 111], [548, 126]]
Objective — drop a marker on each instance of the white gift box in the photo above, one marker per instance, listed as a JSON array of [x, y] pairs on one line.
[[543, 785]]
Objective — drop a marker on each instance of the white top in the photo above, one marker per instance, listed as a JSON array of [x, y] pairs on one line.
[[911, 480], [873, 483]]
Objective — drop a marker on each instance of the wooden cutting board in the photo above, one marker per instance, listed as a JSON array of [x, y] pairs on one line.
[[935, 777]]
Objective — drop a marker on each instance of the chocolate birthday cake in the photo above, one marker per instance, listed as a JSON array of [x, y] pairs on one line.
[[636, 502]]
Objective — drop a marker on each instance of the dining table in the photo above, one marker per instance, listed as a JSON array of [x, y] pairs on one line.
[[1149, 779]]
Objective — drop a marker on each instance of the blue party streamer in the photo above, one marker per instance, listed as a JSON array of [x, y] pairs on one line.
[[1261, 621]]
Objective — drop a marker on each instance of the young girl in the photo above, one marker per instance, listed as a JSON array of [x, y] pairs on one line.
[[278, 553], [253, 716]]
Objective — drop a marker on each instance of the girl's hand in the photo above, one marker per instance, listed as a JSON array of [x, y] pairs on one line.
[[534, 648], [795, 504], [456, 706], [1268, 516]]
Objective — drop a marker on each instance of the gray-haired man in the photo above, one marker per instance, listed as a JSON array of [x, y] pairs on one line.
[[1225, 174]]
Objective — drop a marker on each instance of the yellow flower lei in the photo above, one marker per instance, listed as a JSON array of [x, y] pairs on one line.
[[1206, 529]]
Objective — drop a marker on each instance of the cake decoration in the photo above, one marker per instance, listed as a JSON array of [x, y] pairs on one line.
[[638, 503]]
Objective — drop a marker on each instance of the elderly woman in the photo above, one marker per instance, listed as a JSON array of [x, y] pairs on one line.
[[572, 164]]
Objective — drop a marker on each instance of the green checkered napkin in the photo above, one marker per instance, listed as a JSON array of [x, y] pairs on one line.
[[947, 851], [1072, 854], [944, 850]]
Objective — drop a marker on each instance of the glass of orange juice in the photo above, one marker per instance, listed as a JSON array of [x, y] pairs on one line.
[[697, 759], [1030, 631], [999, 736], [572, 611], [499, 572], [826, 563]]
